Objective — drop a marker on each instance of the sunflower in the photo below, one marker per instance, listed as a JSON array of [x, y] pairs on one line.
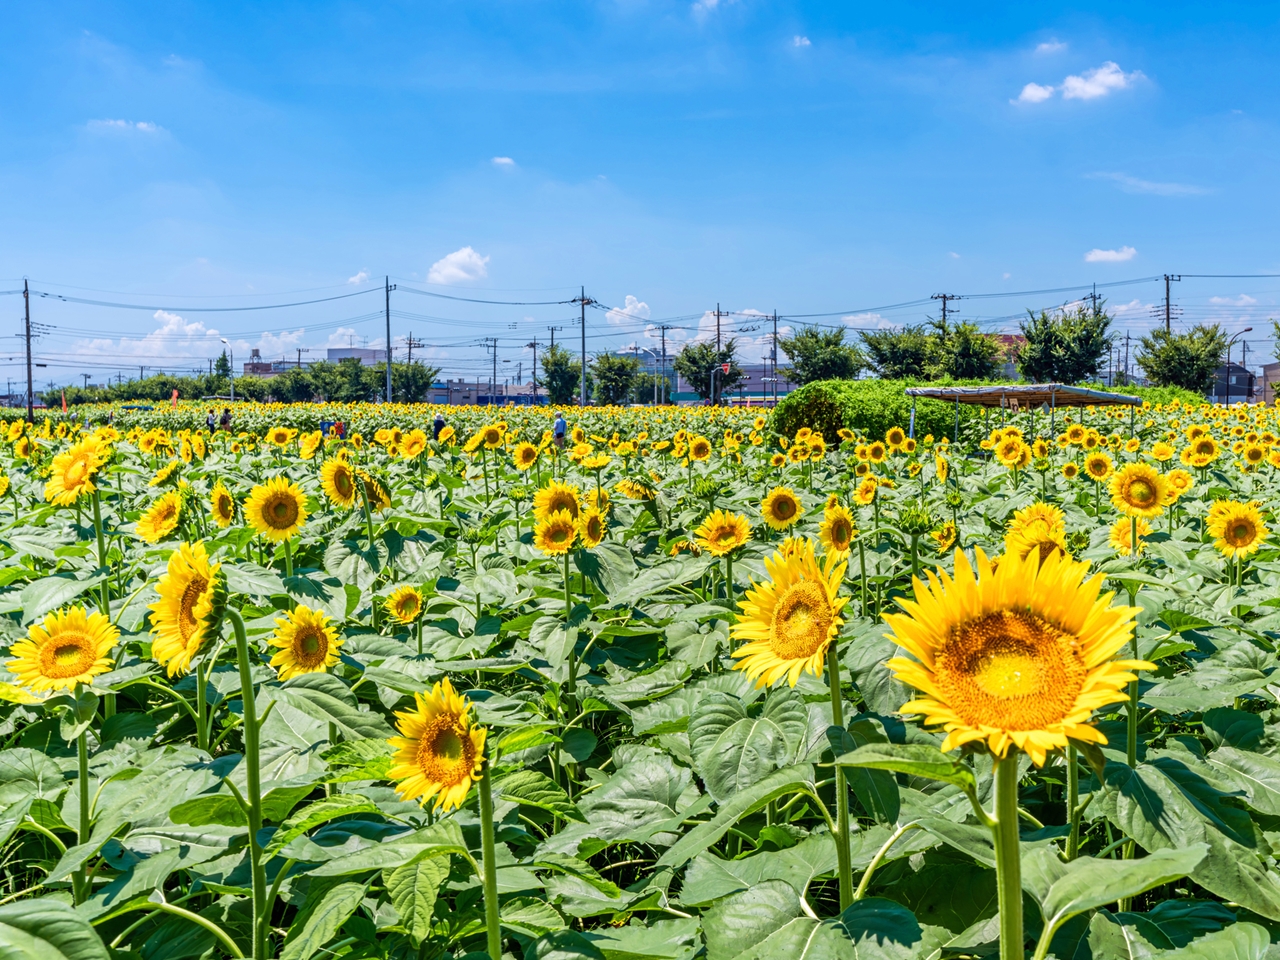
[[790, 620], [722, 532], [1097, 466], [1013, 452], [306, 642], [895, 437], [556, 533], [70, 647], [634, 489], [374, 489], [73, 472], [1161, 451], [404, 604], [1139, 490], [1016, 656], [525, 455], [447, 435], [556, 497], [1120, 536], [684, 546], [15, 430], [309, 444], [222, 506], [591, 527], [699, 448], [4, 484], [338, 480], [1075, 434], [192, 597], [276, 509], [781, 508], [941, 468], [439, 753], [1254, 454], [164, 474], [777, 459], [944, 537], [876, 452], [1070, 470], [161, 518], [281, 436], [837, 531], [1237, 528], [1179, 483]]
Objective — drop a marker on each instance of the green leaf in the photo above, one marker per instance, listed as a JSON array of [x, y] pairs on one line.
[[436, 840], [413, 889], [563, 945], [314, 814], [252, 579], [735, 924], [1240, 941], [530, 788], [916, 759], [219, 809], [709, 877], [733, 751], [1256, 775], [1089, 883], [325, 698], [47, 929], [876, 790], [320, 918], [781, 783], [368, 759], [871, 929], [528, 736], [50, 593], [576, 868], [530, 917]]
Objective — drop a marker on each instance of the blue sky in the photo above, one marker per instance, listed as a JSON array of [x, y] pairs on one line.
[[809, 158]]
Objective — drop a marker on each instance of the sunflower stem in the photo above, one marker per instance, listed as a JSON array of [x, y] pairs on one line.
[[1073, 803], [492, 929], [81, 883], [1008, 858], [202, 731], [571, 686], [288, 557], [862, 564], [728, 578], [843, 860], [253, 787], [104, 599]]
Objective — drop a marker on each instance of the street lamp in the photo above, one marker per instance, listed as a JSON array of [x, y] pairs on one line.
[[232, 359], [1228, 367], [636, 348]]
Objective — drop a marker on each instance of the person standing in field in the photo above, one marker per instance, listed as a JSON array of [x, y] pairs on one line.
[[558, 429]]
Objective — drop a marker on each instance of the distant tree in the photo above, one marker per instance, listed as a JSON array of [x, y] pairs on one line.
[[695, 362], [818, 354], [900, 354], [412, 382], [222, 366], [613, 377], [293, 386], [650, 386], [966, 353], [1189, 360], [561, 375], [1064, 347]]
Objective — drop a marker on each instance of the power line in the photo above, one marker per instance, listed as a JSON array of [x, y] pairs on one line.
[[175, 309]]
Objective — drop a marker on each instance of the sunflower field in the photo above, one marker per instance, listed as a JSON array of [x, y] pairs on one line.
[[677, 686]]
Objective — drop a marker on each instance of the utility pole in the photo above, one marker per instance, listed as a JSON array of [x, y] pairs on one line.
[[26, 302], [664, 397], [1126, 358], [1168, 308], [553, 335], [301, 351], [1093, 298], [86, 380], [717, 330], [533, 345], [411, 343], [582, 302], [491, 346], [773, 352], [945, 298], [388, 286]]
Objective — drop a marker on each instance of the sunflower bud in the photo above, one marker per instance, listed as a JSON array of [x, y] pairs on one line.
[[915, 521]]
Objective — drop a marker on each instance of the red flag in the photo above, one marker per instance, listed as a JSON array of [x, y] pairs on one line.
[[64, 399], [175, 398]]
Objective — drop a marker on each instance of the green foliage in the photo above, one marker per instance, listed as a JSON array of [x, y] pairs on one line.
[[561, 375], [222, 366], [695, 362], [818, 354], [1064, 347], [614, 377], [911, 352], [936, 351], [966, 353], [1188, 360], [867, 406]]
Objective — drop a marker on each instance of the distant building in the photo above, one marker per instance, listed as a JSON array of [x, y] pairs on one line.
[[1011, 345], [759, 385], [478, 393], [1270, 382], [365, 355], [1233, 383]]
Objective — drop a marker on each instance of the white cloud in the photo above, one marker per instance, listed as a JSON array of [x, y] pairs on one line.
[[1051, 46], [1098, 82], [458, 267], [360, 277], [1006, 276], [506, 162], [1134, 308], [953, 255], [1244, 300], [703, 7], [1135, 185], [631, 310], [869, 321], [1110, 256], [122, 126], [800, 41], [1034, 93]]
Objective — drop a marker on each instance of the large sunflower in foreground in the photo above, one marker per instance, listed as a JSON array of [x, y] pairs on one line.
[[591, 528], [338, 478], [781, 508], [439, 753], [791, 619], [1139, 490], [305, 642], [73, 472], [554, 498], [722, 532], [837, 530], [69, 647], [556, 534], [1017, 656], [161, 518], [1237, 528], [277, 509], [192, 596]]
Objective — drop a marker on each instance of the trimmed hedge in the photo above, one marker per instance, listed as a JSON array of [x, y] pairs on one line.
[[871, 407]]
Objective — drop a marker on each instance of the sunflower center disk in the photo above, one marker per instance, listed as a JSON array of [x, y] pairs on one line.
[[1241, 535], [187, 621], [801, 621], [1140, 492], [281, 513], [446, 754], [310, 648], [69, 657], [1011, 671]]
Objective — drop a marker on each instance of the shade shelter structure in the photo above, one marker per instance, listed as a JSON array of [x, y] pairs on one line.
[[1022, 396]]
